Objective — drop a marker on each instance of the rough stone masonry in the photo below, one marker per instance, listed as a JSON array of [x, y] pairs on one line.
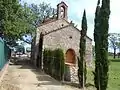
[[59, 33]]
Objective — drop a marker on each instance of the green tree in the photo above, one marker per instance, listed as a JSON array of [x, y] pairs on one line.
[[8, 13], [82, 62], [113, 39], [118, 46], [101, 45], [40, 13], [14, 20]]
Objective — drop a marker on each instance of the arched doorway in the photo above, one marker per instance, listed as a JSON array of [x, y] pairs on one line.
[[69, 62], [70, 56]]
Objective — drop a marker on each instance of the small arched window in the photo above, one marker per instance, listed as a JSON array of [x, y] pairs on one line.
[[62, 13]]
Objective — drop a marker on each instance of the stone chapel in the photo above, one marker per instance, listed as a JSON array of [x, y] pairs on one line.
[[59, 33]]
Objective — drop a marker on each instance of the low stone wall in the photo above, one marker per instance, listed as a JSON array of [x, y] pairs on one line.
[[70, 74]]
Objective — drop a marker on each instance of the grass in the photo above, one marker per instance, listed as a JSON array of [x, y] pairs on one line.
[[114, 75]]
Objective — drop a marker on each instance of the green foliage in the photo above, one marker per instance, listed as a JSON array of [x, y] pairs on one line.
[[8, 11], [101, 45], [14, 19], [47, 60], [82, 62], [59, 63], [41, 12], [17, 20], [54, 63]]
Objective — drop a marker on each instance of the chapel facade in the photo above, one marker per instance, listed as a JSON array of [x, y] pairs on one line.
[[59, 33]]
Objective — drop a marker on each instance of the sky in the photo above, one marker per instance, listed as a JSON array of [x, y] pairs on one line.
[[76, 8], [27, 38]]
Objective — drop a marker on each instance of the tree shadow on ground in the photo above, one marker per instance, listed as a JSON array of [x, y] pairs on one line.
[[76, 85], [118, 60], [89, 85], [42, 77], [71, 84]]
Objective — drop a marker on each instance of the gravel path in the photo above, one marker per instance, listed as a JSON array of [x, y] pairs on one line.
[[23, 77]]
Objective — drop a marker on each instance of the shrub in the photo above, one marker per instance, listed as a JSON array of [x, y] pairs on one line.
[[54, 63], [59, 63], [47, 54]]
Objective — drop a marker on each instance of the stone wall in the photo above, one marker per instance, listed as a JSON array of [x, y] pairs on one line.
[[45, 28], [65, 39]]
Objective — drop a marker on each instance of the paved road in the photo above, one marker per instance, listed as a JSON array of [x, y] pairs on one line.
[[23, 77]]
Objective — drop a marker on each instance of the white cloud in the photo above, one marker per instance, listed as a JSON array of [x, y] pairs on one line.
[[75, 12], [115, 16]]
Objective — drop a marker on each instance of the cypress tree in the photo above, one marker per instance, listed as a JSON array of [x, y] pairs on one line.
[[101, 45], [82, 62]]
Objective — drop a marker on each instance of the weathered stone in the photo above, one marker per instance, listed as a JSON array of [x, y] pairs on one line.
[[61, 34]]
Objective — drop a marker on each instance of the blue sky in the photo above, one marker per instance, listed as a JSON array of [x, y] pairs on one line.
[[76, 8]]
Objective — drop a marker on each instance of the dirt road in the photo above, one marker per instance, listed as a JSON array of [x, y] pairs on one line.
[[24, 77]]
